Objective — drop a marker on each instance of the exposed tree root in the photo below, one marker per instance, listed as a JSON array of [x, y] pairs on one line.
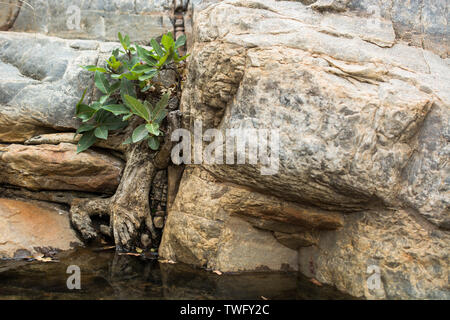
[[129, 208]]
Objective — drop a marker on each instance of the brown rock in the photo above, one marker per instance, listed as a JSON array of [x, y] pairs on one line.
[[212, 224], [58, 167], [27, 226], [411, 257], [114, 142]]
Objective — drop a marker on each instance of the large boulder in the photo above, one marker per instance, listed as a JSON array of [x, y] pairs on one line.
[[410, 258], [59, 167], [28, 229], [203, 229], [42, 82], [101, 20], [363, 121]]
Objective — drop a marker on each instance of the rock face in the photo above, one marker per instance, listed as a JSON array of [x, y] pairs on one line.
[[58, 167], [363, 124], [27, 227], [100, 20], [202, 230], [42, 81], [418, 22], [413, 258]]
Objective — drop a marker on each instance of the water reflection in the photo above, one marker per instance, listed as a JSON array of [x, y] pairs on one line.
[[107, 275]]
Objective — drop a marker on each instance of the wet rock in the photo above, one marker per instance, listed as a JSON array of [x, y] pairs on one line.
[[58, 167], [25, 227]]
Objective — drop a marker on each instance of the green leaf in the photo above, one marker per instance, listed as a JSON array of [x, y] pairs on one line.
[[146, 88], [184, 57], [153, 143], [127, 41], [112, 122], [82, 98], [167, 57], [87, 140], [122, 41], [160, 116], [103, 99], [85, 112], [94, 68], [131, 76], [101, 132], [128, 116], [116, 109], [145, 56], [142, 68], [114, 87], [160, 105], [167, 41], [115, 52], [153, 128], [127, 88], [101, 82], [139, 133], [148, 75], [137, 107], [181, 41], [113, 63], [157, 48], [85, 127]]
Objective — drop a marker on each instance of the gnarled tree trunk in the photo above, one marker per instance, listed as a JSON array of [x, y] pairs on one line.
[[129, 208]]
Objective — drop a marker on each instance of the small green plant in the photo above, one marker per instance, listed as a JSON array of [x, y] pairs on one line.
[[126, 81]]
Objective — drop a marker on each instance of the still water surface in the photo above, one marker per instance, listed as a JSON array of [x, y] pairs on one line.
[[107, 275]]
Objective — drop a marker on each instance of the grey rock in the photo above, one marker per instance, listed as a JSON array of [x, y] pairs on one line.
[[99, 19], [330, 5], [42, 81], [419, 22]]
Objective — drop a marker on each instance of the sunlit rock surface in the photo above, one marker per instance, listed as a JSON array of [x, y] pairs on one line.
[[363, 116], [27, 229]]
